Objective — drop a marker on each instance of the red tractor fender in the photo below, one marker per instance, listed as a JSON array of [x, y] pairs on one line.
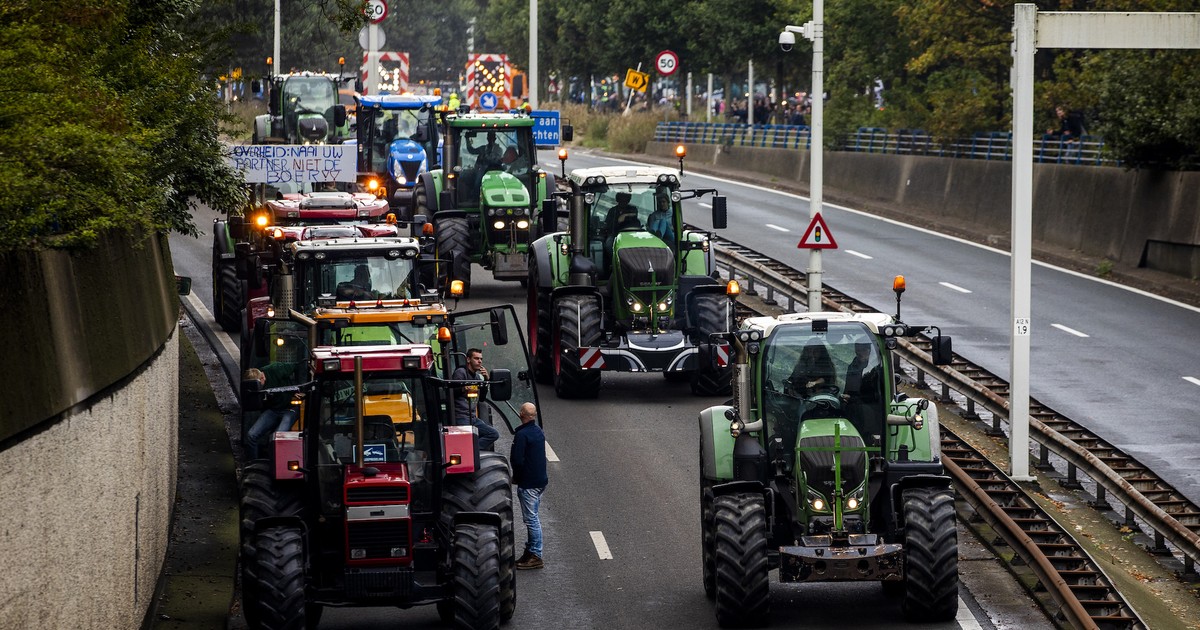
[[459, 443]]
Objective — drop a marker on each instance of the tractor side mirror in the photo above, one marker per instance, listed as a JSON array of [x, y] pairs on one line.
[[720, 213], [358, 86], [237, 228], [421, 136], [549, 216], [500, 387], [339, 115], [499, 327], [417, 225], [942, 352], [183, 285], [256, 86], [568, 131], [446, 200]]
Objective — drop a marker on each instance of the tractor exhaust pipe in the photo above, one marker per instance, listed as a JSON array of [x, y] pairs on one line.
[[358, 408]]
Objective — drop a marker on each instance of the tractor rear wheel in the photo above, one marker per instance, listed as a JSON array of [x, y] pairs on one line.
[[476, 576], [708, 526], [538, 317], [740, 547], [279, 566], [454, 245], [576, 325], [260, 498], [712, 313], [931, 555], [488, 489], [421, 200], [227, 289]]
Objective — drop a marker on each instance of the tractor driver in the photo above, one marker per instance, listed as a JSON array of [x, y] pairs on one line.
[[625, 214], [813, 372], [359, 288], [488, 156], [659, 222]]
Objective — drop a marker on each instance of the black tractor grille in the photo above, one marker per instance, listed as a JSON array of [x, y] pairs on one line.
[[409, 169], [377, 494], [379, 583], [818, 465], [378, 538], [641, 265]]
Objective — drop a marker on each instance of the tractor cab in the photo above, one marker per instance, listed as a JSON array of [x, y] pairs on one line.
[[398, 139], [303, 108], [494, 165]]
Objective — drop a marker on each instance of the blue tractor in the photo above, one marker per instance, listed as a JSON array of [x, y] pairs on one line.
[[397, 138]]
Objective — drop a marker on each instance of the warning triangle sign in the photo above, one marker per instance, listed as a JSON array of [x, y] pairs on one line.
[[817, 236]]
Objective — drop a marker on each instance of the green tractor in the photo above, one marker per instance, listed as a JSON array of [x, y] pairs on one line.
[[628, 287], [820, 468], [485, 197], [303, 108]]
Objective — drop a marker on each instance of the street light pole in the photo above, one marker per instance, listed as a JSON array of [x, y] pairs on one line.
[[815, 31], [275, 59], [532, 87]]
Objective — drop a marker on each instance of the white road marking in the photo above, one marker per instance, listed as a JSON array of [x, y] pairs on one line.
[[551, 456], [207, 318], [954, 287], [776, 227], [1192, 379], [859, 254], [1070, 330], [1002, 252], [601, 546], [705, 205], [965, 619]]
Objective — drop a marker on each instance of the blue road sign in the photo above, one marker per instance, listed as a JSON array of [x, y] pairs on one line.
[[488, 101], [547, 128]]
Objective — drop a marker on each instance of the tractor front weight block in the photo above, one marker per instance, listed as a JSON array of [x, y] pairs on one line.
[[862, 558]]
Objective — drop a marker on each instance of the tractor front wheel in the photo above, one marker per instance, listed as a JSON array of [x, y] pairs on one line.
[[740, 547], [712, 313], [279, 569], [454, 245], [476, 576], [708, 526], [576, 325], [931, 555], [260, 498], [488, 489]]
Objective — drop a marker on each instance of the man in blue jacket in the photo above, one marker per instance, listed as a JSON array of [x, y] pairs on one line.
[[528, 459]]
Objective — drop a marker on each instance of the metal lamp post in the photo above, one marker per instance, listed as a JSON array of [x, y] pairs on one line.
[[814, 31]]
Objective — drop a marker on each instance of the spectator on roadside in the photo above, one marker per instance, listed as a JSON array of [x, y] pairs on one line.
[[1070, 124], [278, 413], [467, 410], [528, 459]]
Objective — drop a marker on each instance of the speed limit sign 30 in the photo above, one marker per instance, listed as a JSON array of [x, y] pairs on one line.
[[667, 62]]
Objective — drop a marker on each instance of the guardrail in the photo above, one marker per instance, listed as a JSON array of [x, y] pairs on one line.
[[996, 145], [1170, 516]]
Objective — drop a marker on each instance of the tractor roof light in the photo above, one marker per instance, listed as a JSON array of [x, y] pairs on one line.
[[427, 229], [456, 289], [733, 288], [680, 151], [277, 234], [562, 154], [898, 284], [391, 218], [444, 334], [260, 220]]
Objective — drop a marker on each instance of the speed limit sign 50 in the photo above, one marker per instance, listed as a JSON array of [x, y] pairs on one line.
[[667, 62], [375, 10]]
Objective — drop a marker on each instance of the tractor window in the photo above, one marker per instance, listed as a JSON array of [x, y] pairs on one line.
[[625, 207], [308, 95], [358, 278], [380, 334], [484, 150], [396, 428], [392, 125]]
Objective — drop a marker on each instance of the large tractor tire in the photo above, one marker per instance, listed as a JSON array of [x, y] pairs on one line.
[[476, 577], [226, 288], [708, 532], [931, 555], [576, 325], [743, 594], [538, 318], [712, 313], [488, 489], [279, 566], [454, 245], [260, 498]]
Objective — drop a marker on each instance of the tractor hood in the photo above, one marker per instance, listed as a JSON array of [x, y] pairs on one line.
[[406, 160], [502, 190], [644, 261], [822, 439]]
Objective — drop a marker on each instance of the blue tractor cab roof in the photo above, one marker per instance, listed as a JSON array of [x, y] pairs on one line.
[[399, 101]]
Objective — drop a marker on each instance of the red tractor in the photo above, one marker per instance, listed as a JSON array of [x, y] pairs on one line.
[[379, 499]]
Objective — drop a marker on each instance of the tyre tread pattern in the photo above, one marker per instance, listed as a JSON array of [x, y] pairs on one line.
[[711, 312], [931, 555], [743, 597], [577, 323], [488, 489], [476, 577], [279, 564]]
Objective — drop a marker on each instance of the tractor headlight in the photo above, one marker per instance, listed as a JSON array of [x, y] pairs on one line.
[[634, 305], [522, 224], [499, 225], [856, 499], [663, 306], [817, 501], [637, 307]]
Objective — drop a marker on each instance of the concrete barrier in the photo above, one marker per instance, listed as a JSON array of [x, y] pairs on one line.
[[88, 432], [1144, 219]]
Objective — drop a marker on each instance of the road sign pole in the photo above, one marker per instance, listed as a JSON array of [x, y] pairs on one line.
[[817, 148], [532, 84], [708, 101], [630, 101], [278, 65]]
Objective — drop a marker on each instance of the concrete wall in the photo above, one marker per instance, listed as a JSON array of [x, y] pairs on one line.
[[1138, 218], [88, 432]]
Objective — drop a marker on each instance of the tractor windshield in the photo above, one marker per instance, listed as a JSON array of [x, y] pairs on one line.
[[396, 417], [839, 372], [308, 95], [509, 150], [380, 334], [357, 277], [625, 207], [390, 125]]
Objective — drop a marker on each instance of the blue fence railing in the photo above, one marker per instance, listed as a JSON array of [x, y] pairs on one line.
[[996, 145]]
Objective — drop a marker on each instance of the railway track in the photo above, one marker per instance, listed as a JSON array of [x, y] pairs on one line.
[[1085, 597]]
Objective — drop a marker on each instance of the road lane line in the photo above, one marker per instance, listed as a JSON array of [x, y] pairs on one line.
[[954, 287], [705, 205], [1192, 379], [601, 546], [776, 227], [551, 456], [1070, 330], [965, 619], [859, 254], [1071, 272], [207, 318]]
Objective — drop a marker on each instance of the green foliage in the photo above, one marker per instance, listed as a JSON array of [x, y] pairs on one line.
[[105, 124]]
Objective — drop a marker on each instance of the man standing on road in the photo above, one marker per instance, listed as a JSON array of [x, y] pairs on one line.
[[467, 410], [528, 459]]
